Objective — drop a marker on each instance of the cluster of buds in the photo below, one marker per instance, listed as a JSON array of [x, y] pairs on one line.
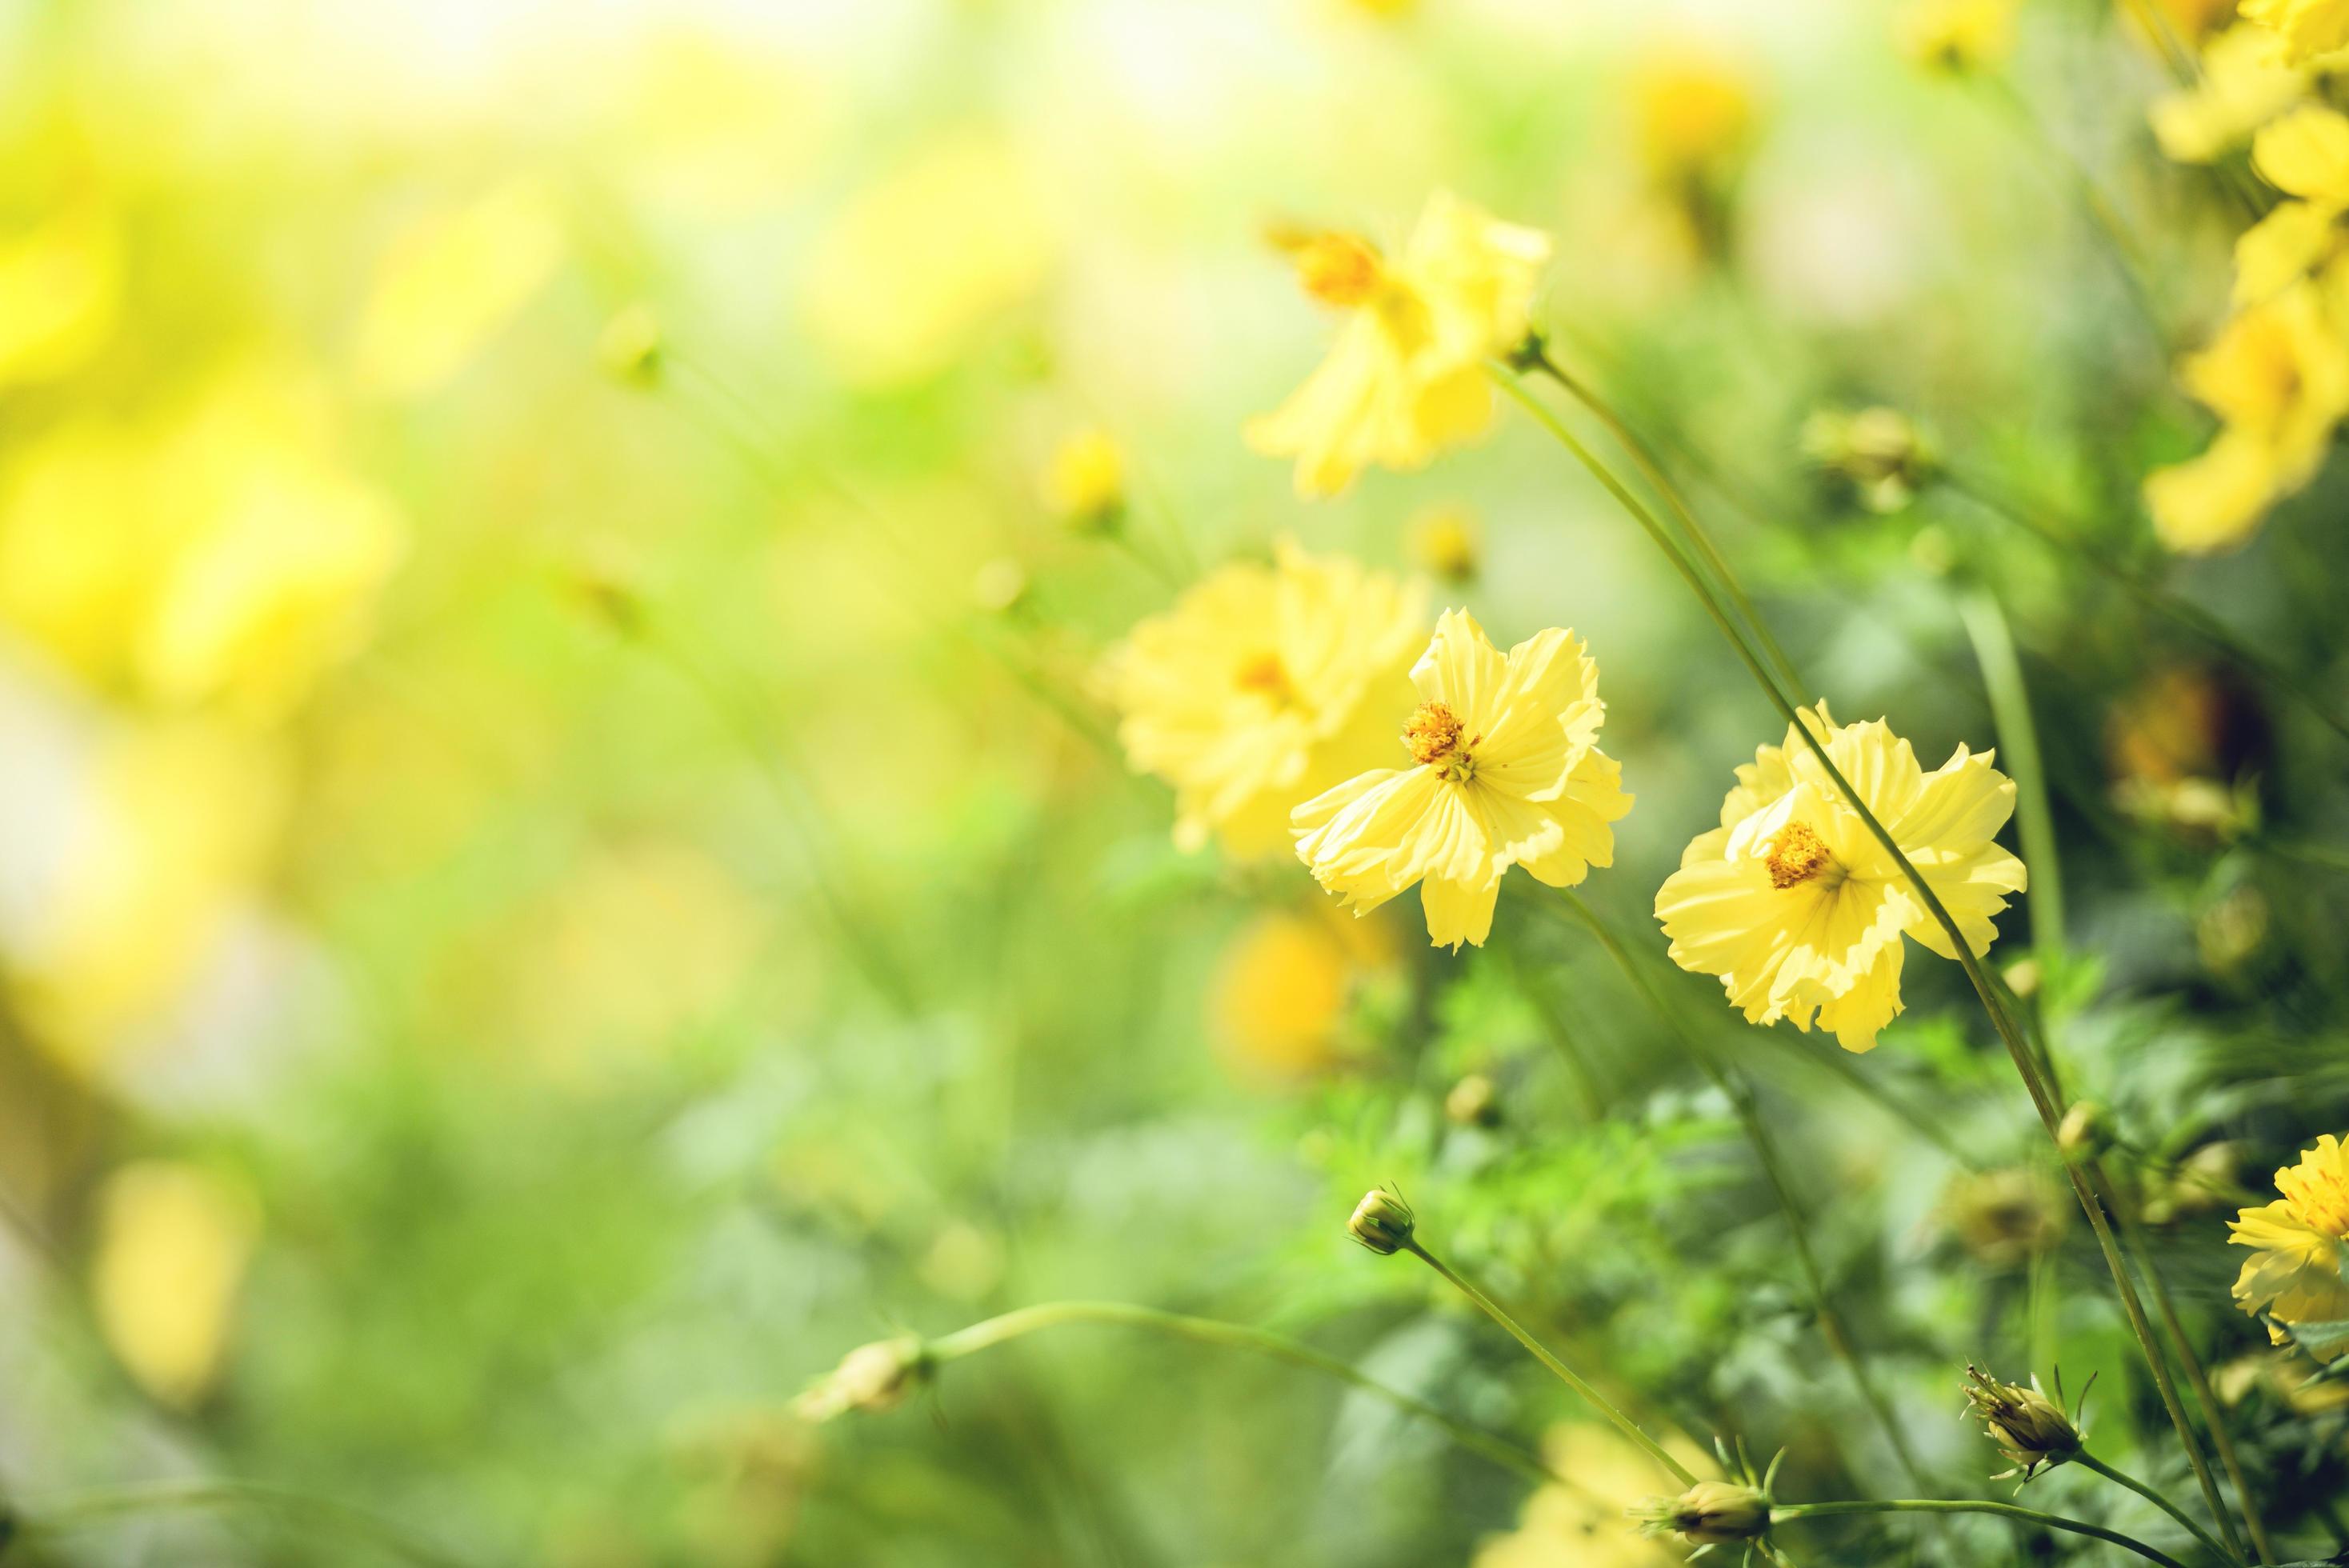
[[2030, 1428], [871, 1378]]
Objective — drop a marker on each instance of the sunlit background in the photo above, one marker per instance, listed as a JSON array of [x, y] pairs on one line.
[[564, 861]]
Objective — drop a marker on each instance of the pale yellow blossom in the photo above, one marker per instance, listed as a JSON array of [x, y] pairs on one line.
[[2243, 85], [451, 282], [173, 1243], [2299, 1269], [2305, 28]]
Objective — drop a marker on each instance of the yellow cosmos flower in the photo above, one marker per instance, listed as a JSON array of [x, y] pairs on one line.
[[1406, 375], [1958, 35], [2306, 29], [2243, 86], [2299, 1269], [1505, 770], [1692, 113], [1798, 908], [173, 1241], [1084, 483], [1264, 686], [449, 284]]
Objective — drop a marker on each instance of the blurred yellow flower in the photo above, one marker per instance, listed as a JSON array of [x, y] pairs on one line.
[[918, 264], [1582, 1522], [1507, 770], [1407, 376], [2242, 85], [1798, 909], [2306, 154], [1958, 35], [1084, 483], [2214, 502], [2289, 243], [2007, 1216], [451, 282], [60, 294], [1446, 541], [2298, 1268], [172, 1242], [2306, 29], [1263, 686], [1279, 993], [1692, 113]]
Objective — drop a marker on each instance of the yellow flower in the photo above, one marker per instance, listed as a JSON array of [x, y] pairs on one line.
[[1280, 994], [1580, 1520], [2307, 29], [2306, 154], [1505, 770], [1445, 541], [1692, 112], [1798, 909], [1405, 378], [2214, 502], [2287, 245], [1084, 484], [1958, 35], [1264, 686], [451, 282], [2243, 86], [60, 296], [2301, 1241], [173, 1243]]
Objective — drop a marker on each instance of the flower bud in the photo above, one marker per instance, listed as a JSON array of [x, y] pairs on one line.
[[2028, 1426], [2085, 1131], [1879, 453], [1710, 1513], [629, 348], [1084, 484], [872, 1378], [1474, 1102], [1444, 541], [1381, 1222]]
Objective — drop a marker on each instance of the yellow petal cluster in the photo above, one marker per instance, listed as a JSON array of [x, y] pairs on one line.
[[1405, 378], [1798, 909], [1505, 770], [451, 282], [2305, 28], [1958, 35], [2244, 83], [173, 1241], [2299, 1267], [1263, 686]]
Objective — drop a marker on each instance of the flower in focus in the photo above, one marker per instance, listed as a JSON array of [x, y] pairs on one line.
[[1505, 770], [1879, 453], [1381, 1222], [2306, 29], [2028, 1426], [1958, 35], [173, 1241], [1798, 908], [1263, 686], [1084, 483], [450, 284], [1710, 1513], [2299, 1267], [2242, 85], [1405, 378]]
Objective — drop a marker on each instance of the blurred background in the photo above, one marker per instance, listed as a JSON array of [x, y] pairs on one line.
[[563, 862]]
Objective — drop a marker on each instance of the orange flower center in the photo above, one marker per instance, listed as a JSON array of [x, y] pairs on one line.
[[1339, 269], [1796, 855], [2319, 1198], [1265, 676], [1434, 737]]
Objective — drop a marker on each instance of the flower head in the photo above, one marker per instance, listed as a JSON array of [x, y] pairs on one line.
[[1084, 483], [2028, 1426], [1505, 770], [2299, 1270], [1405, 378], [1958, 35], [1798, 908], [1381, 1222], [1710, 1513], [2241, 86], [1263, 686], [2306, 29]]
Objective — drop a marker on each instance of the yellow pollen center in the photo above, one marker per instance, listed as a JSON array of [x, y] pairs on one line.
[[1796, 855], [1434, 737], [1265, 676], [1339, 269], [2318, 1197]]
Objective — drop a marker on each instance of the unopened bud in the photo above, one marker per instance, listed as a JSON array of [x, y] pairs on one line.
[[1445, 542], [1381, 1222], [1084, 483], [2085, 1131], [1710, 1513], [2028, 1426], [872, 1378], [1879, 453], [1474, 1102], [630, 350]]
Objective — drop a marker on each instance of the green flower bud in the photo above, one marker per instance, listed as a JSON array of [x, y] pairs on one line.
[[2028, 1426], [1381, 1222], [872, 1378], [1710, 1513]]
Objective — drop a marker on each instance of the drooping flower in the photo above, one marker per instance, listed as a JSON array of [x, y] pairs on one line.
[[1405, 378], [2298, 1268], [1505, 770], [2306, 29], [1264, 686], [1798, 908]]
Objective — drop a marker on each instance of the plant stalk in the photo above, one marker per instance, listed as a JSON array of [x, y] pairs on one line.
[[1972, 1505]]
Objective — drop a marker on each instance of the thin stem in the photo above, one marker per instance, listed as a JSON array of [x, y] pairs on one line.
[[2018, 1048], [1974, 1505], [2192, 616], [2018, 743], [995, 1331], [1643, 457], [1740, 1093], [1566, 1374], [2087, 1461], [2133, 1238], [82, 1509], [1561, 1033]]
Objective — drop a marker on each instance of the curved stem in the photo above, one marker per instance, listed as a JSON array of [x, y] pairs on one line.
[[2018, 1048], [2018, 741], [1740, 1093], [2087, 1461], [82, 1509], [1566, 1374], [1971, 1505], [995, 1331]]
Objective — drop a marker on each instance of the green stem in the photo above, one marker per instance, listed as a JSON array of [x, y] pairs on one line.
[[2133, 1238], [1643, 457], [2087, 1461], [1230, 1335], [1971, 1505], [2018, 744], [1561, 1034], [2193, 617], [1566, 1374], [82, 1509], [2018, 1048], [1740, 1093]]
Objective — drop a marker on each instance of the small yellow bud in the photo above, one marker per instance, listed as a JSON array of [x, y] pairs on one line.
[[1445, 542], [2028, 1426], [1474, 1102], [1382, 1222], [630, 350], [1084, 484], [1879, 453], [1710, 1513], [872, 1378], [2085, 1131], [2023, 976]]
